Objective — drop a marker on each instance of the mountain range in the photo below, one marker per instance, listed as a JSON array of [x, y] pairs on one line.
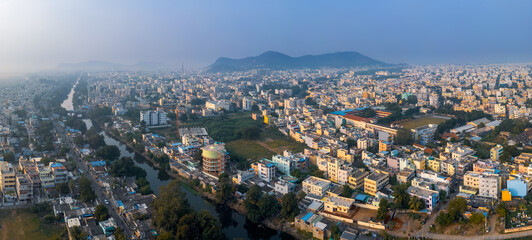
[[278, 61]]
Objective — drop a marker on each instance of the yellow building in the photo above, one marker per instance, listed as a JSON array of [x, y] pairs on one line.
[[384, 146], [266, 119], [338, 205], [420, 164], [7, 177], [434, 164], [506, 195], [356, 180], [375, 182], [471, 179]]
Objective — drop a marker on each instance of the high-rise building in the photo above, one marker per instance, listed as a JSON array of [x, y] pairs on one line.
[[153, 118], [213, 159]]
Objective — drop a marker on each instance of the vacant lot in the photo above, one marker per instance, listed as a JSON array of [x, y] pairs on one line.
[[21, 224], [248, 149], [415, 123]]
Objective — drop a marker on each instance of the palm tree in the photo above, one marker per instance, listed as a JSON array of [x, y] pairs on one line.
[[416, 204]]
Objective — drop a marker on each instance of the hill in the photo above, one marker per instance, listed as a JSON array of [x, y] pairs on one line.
[[279, 61]]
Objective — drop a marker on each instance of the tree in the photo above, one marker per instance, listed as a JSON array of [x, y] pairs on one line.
[[289, 207], [109, 152], [412, 99], [416, 204], [225, 192], [77, 234], [62, 188], [101, 213], [384, 207], [401, 196], [443, 195], [477, 218], [259, 206], [502, 209], [404, 137], [119, 234], [310, 101], [85, 190], [347, 191]]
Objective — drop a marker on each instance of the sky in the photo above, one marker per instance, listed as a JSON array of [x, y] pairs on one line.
[[37, 35]]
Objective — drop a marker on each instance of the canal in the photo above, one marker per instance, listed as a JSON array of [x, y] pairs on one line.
[[234, 224]]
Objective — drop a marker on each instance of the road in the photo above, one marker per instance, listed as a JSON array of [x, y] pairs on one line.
[[101, 196]]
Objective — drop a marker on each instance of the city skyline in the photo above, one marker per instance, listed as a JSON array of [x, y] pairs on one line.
[[41, 35]]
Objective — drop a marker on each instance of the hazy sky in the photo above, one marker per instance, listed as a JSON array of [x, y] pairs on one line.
[[39, 34]]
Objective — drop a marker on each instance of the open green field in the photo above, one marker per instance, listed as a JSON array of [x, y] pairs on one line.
[[21, 224], [248, 149], [415, 123], [246, 137]]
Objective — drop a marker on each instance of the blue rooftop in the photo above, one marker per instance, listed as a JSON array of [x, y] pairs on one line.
[[307, 217], [361, 197], [342, 113], [270, 165], [98, 163]]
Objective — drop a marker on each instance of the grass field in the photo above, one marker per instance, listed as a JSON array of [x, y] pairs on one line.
[[249, 149], [21, 225], [415, 123]]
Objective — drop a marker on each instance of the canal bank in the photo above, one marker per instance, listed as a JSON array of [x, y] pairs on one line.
[[234, 223]]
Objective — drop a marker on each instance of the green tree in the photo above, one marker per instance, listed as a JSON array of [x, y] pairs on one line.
[[225, 192], [401, 197], [77, 234], [289, 207], [9, 157], [101, 213], [62, 188], [119, 234], [404, 137], [347, 191], [477, 218], [109, 152], [384, 207], [416, 204], [85, 190]]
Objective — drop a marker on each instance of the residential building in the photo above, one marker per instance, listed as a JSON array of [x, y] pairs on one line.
[[316, 186], [489, 185], [214, 159], [266, 170], [430, 197], [374, 182], [496, 152], [153, 118], [356, 179]]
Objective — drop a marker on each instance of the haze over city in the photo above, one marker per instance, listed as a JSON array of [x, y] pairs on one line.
[[38, 35], [265, 120]]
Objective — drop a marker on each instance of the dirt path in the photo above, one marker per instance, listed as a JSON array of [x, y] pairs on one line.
[[264, 145]]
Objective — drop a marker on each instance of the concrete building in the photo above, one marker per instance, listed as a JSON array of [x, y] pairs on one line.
[[214, 159], [356, 179], [24, 188], [338, 205], [316, 186], [430, 197], [518, 186], [375, 182], [153, 118], [266, 171], [489, 185], [7, 177], [496, 152]]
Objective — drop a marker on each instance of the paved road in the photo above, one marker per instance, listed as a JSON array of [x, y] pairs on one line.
[[101, 196]]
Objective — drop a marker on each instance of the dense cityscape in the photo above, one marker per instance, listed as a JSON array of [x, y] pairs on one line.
[[358, 153]]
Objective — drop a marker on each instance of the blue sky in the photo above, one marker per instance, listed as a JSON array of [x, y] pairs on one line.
[[38, 34]]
